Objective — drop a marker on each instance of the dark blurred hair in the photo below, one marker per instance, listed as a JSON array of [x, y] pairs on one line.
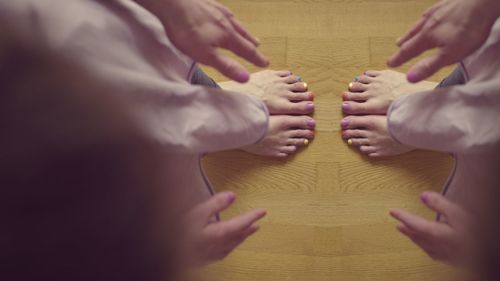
[[80, 193]]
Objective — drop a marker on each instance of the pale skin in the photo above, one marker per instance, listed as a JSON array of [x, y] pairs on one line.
[[289, 103], [456, 28], [450, 241], [199, 28], [366, 102], [208, 240], [286, 134], [281, 91]]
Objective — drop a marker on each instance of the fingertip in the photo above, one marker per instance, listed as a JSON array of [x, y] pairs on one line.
[[261, 212], [264, 62], [394, 213], [231, 197], [399, 41], [390, 62], [257, 41], [243, 76], [424, 197], [413, 76]]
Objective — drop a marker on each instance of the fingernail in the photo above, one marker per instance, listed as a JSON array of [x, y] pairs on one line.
[[412, 76], [349, 141], [312, 95], [299, 78], [306, 142], [231, 196], [243, 76], [310, 106], [345, 123], [424, 197], [398, 41], [356, 78], [305, 85], [350, 85], [258, 41], [345, 106], [311, 124]]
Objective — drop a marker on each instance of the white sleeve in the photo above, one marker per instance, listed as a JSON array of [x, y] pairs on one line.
[[196, 119], [459, 119]]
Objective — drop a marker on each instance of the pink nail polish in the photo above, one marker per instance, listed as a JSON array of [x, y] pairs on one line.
[[310, 106], [412, 76], [344, 123], [424, 197], [231, 197], [243, 77], [311, 124], [345, 106]]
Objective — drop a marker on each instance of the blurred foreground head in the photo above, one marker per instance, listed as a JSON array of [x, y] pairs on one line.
[[80, 189]]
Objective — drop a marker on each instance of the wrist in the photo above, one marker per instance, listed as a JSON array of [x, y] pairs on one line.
[[490, 9], [160, 8]]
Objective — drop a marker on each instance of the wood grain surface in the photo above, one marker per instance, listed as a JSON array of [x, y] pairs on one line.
[[327, 206]]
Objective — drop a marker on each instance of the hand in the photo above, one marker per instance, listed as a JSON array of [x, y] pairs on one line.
[[199, 27], [446, 241], [456, 27], [209, 240]]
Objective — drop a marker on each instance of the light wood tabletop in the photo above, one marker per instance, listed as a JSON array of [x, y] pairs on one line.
[[327, 206]]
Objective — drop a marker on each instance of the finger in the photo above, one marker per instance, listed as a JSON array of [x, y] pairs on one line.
[[245, 49], [218, 203], [412, 48], [427, 67], [405, 230], [237, 224], [243, 32], [233, 243], [414, 30], [225, 10], [414, 236], [417, 27], [440, 204], [243, 235], [430, 11], [228, 67], [415, 223]]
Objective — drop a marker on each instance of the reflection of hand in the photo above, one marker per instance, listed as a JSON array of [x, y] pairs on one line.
[[456, 27], [210, 240], [199, 27], [448, 241]]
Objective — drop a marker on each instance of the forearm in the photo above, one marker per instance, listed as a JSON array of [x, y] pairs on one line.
[[489, 9]]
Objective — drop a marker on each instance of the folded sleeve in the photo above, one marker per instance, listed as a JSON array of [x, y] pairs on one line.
[[459, 119], [197, 119]]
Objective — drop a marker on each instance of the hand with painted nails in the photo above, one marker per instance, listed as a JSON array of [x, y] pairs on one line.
[[208, 240], [450, 241], [200, 27], [456, 27]]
